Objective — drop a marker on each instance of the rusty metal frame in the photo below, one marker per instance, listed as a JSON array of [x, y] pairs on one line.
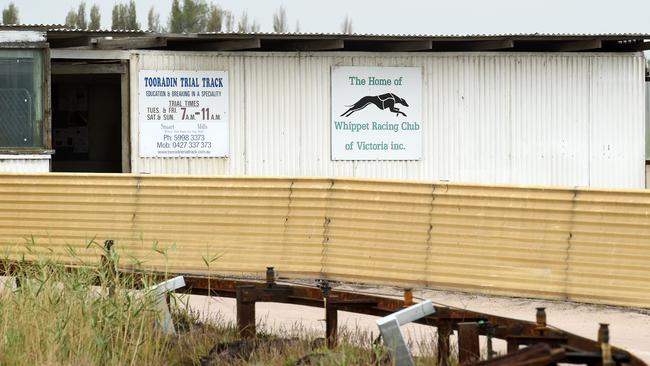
[[469, 324]]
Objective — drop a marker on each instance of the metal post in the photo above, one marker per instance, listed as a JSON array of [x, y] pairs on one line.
[[245, 312], [513, 345], [468, 343], [444, 331], [408, 297], [540, 317], [270, 277], [108, 267], [605, 347], [489, 332], [331, 326]]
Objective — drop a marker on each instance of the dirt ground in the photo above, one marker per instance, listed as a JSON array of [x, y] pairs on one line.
[[629, 328]]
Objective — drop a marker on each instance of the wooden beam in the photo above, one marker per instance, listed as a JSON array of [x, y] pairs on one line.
[[47, 102], [474, 45], [218, 45], [125, 82], [14, 36], [403, 46], [129, 43], [58, 53], [642, 46], [77, 41], [84, 68], [126, 124], [310, 45], [235, 45], [569, 46]]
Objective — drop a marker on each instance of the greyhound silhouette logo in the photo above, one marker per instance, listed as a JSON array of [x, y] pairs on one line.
[[382, 102]]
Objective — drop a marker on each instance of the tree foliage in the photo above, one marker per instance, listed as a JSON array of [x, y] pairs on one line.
[[82, 21], [243, 26], [228, 21], [197, 16], [176, 18], [215, 19], [346, 26], [153, 21], [125, 17], [77, 18], [71, 19], [190, 17], [10, 14], [95, 18], [280, 21]]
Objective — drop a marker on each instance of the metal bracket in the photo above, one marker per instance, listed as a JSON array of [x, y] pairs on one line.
[[390, 332], [161, 291]]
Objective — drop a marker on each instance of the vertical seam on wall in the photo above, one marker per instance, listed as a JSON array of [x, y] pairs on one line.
[[326, 231], [589, 121], [427, 256], [644, 112], [511, 143], [245, 92], [301, 107], [136, 205], [135, 64], [567, 256], [283, 257]]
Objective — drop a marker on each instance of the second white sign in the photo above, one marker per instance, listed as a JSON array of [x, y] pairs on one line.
[[376, 113]]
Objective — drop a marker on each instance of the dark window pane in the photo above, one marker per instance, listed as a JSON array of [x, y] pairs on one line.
[[21, 107]]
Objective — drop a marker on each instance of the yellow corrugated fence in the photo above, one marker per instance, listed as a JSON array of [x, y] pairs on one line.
[[579, 244]]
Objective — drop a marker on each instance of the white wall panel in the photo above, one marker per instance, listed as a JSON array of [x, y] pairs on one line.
[[550, 121], [25, 163], [617, 88], [572, 119]]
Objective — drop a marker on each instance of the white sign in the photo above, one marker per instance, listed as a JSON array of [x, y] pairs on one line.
[[183, 113], [376, 113]]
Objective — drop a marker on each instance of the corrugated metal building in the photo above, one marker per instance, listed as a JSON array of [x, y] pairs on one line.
[[517, 109], [550, 119]]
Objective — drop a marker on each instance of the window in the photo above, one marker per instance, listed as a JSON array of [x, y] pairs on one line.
[[21, 98]]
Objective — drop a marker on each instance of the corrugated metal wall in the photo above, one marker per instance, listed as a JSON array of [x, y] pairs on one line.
[[578, 244], [548, 118]]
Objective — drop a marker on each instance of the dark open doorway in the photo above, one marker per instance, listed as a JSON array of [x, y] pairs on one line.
[[87, 121]]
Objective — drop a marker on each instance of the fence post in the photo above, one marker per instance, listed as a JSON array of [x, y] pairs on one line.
[[245, 312], [468, 343]]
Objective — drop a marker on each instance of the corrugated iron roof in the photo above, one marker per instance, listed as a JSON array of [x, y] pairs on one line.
[[56, 27], [31, 25], [64, 28], [439, 35], [76, 30], [60, 36]]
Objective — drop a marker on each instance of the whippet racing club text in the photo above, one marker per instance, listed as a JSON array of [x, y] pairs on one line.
[[376, 113], [183, 113]]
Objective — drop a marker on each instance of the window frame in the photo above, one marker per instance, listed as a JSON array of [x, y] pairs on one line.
[[46, 126]]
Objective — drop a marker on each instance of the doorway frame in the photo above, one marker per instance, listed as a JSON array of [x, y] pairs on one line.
[[91, 62]]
